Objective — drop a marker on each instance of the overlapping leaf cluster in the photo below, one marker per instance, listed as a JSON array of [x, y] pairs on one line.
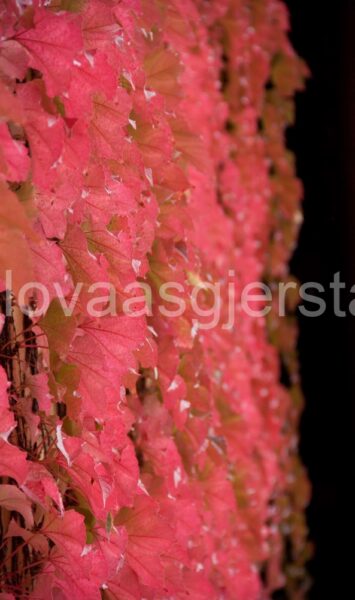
[[147, 457]]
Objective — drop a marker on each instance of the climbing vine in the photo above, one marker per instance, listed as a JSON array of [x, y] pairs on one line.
[[146, 455]]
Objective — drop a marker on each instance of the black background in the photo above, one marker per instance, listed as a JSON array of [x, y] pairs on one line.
[[323, 139]]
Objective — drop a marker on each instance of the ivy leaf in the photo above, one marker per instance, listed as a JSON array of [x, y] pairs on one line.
[[38, 541], [117, 336], [12, 212], [58, 327], [92, 74], [105, 197], [15, 256], [14, 59], [13, 462], [45, 132], [14, 160], [68, 578], [100, 27], [125, 586], [67, 532], [155, 143], [84, 266], [148, 537], [10, 107], [190, 144], [13, 499], [52, 44], [106, 127], [162, 68]]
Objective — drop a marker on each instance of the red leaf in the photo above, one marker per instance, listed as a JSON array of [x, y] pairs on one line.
[[52, 44], [41, 487], [84, 266], [124, 586], [13, 462], [10, 107], [91, 75], [45, 133], [67, 532], [100, 27], [105, 196], [117, 337], [154, 142], [14, 251], [12, 212], [58, 327], [106, 129], [162, 69], [38, 542], [14, 160], [14, 59], [13, 499], [148, 537]]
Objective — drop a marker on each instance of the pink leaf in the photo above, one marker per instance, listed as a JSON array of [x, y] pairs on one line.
[[148, 537], [45, 133], [91, 75], [67, 532], [38, 542], [13, 462], [13, 499], [14, 160], [52, 44]]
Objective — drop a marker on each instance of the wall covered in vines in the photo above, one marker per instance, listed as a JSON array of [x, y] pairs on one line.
[[145, 456]]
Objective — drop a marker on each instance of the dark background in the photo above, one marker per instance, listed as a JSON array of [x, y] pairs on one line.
[[323, 139]]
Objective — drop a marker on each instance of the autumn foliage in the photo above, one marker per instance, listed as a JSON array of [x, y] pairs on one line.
[[144, 457]]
